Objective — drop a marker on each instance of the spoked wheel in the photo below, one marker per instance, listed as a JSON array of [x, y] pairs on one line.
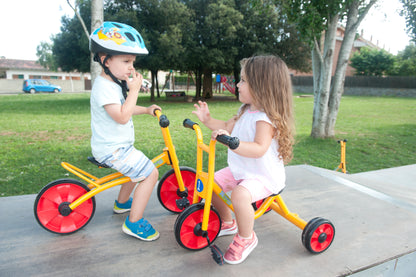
[[52, 207], [318, 235], [188, 231], [256, 205], [168, 191]]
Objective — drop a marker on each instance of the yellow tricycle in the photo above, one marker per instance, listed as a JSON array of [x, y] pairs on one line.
[[66, 205], [199, 224]]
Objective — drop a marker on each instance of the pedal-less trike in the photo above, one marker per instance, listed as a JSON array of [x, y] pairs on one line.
[[199, 224], [66, 205]]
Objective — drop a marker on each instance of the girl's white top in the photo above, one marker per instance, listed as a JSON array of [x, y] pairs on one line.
[[269, 169]]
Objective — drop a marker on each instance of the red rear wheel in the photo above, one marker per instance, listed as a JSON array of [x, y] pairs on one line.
[[168, 189], [52, 211], [256, 205], [318, 235], [188, 231]]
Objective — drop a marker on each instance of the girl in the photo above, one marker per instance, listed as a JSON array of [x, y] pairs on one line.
[[264, 125]]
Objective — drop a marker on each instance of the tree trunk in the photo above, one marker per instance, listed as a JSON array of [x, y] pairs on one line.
[[207, 85], [323, 65], [337, 89], [198, 84], [97, 18], [153, 73], [156, 85], [237, 80]]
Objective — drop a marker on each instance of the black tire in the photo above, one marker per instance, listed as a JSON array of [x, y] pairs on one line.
[[318, 235], [188, 231]]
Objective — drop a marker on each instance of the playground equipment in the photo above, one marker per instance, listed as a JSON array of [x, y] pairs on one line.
[[198, 225], [66, 205], [227, 85], [343, 165]]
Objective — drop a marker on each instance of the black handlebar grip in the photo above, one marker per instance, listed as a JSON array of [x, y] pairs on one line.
[[231, 142], [188, 123], [163, 121], [154, 111]]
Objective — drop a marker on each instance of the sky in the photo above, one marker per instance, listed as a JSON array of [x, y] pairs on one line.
[[383, 24], [26, 23]]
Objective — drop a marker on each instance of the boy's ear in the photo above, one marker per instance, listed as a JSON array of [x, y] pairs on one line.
[[102, 58]]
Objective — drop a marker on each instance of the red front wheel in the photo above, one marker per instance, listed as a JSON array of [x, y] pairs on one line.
[[52, 207], [188, 232], [168, 193], [318, 235]]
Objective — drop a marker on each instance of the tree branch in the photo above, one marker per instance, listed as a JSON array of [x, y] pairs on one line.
[[80, 19]]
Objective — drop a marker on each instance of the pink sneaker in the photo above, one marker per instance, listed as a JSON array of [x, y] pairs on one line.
[[228, 229], [240, 248]]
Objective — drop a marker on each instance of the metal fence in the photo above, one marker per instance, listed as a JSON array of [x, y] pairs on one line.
[[364, 81]]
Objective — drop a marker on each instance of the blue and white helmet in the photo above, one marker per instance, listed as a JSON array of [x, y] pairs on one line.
[[117, 39]]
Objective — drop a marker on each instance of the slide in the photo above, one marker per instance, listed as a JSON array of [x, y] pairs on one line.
[[228, 86]]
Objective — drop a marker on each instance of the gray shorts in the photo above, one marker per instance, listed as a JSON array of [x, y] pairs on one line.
[[130, 162]]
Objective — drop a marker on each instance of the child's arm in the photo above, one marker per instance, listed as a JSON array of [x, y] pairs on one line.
[[122, 113], [146, 110], [257, 148], [203, 114]]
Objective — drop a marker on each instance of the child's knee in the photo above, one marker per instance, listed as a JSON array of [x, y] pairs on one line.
[[154, 176], [240, 194], [156, 173]]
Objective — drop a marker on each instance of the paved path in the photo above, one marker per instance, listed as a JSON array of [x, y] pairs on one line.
[[374, 215]]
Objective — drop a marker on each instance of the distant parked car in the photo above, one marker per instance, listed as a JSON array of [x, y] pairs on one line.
[[36, 85]]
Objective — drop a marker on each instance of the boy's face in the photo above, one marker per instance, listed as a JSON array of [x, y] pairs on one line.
[[121, 66]]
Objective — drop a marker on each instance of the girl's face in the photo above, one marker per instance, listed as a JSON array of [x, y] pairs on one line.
[[244, 91], [121, 66]]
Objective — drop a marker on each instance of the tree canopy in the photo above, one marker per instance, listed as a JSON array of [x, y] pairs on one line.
[[405, 62], [372, 62], [202, 36], [71, 46], [409, 12]]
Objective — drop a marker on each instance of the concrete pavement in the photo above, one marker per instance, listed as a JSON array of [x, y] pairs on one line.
[[374, 214]]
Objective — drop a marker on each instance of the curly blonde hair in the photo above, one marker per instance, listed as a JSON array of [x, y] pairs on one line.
[[270, 85]]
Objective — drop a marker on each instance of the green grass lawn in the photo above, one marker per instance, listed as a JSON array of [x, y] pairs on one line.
[[39, 131]]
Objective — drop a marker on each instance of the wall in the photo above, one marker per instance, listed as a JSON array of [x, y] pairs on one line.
[[366, 86], [15, 86]]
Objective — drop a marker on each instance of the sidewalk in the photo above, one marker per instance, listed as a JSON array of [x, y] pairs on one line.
[[374, 215]]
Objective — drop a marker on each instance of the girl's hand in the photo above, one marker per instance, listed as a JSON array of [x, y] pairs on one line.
[[135, 83], [218, 132], [202, 112]]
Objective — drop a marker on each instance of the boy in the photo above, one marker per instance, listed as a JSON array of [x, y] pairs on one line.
[[115, 46]]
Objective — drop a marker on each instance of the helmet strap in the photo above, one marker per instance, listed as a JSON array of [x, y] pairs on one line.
[[122, 84]]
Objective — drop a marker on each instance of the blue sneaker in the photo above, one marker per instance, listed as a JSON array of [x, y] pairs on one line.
[[120, 208], [140, 229]]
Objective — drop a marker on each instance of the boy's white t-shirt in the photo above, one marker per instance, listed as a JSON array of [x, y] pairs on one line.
[[107, 134], [269, 169]]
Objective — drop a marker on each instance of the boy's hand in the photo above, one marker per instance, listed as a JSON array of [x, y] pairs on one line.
[[135, 83], [202, 111], [152, 108]]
